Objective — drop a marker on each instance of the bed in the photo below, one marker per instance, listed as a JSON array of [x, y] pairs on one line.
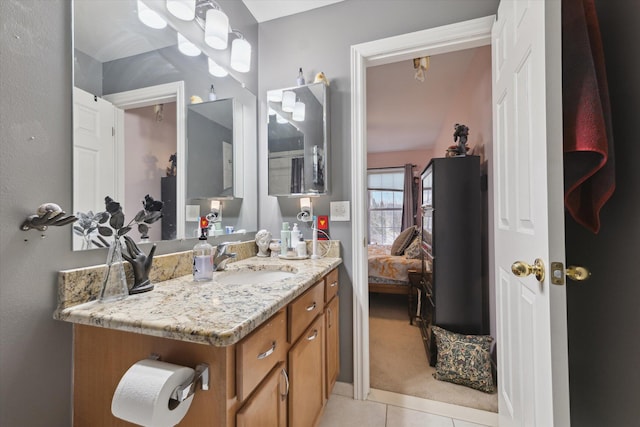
[[389, 274]]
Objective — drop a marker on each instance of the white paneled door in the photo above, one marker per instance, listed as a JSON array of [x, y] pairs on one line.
[[94, 153], [528, 213]]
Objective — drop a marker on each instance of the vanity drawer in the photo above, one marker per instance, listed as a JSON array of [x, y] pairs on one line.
[[259, 352], [304, 309], [331, 285]]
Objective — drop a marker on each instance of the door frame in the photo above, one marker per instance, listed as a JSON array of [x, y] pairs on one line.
[[443, 39], [144, 97]]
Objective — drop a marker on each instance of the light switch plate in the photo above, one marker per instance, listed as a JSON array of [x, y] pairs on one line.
[[340, 211], [192, 213]]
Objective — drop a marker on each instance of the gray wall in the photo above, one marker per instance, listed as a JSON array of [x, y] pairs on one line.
[[35, 101], [603, 313], [320, 40], [35, 94]]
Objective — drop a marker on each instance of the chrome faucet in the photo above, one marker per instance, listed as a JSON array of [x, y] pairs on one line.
[[220, 256]]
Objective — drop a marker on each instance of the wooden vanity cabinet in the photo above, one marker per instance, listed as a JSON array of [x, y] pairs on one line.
[[332, 323], [259, 352], [267, 407], [307, 376], [279, 375], [332, 332]]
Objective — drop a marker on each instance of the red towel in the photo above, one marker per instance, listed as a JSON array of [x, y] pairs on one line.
[[589, 171]]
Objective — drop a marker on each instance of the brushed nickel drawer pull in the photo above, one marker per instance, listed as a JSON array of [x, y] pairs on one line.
[[333, 285], [329, 312], [286, 381], [314, 336], [268, 352], [311, 307]]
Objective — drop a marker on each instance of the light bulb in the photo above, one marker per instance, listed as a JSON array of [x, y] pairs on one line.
[[182, 9], [216, 29], [288, 101], [149, 17], [240, 55], [216, 70], [274, 96], [298, 112], [186, 47]]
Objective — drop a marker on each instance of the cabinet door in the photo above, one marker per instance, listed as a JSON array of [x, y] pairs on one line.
[[333, 343], [267, 407], [307, 376]]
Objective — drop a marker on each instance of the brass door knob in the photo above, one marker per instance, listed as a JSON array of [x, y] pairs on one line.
[[577, 273], [522, 269]]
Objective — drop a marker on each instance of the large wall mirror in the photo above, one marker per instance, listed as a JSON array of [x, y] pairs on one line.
[[134, 95], [298, 140]]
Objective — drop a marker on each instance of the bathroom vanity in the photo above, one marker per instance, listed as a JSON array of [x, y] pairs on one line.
[[267, 328]]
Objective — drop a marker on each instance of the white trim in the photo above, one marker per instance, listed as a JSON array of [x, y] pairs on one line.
[[448, 38], [144, 97]]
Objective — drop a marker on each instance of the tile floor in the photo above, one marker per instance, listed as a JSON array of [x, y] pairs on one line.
[[343, 411]]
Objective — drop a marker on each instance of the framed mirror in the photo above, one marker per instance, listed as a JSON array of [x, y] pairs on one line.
[[132, 89], [298, 140]]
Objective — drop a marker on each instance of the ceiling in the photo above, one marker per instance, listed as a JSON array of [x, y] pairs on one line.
[[405, 114], [266, 10]]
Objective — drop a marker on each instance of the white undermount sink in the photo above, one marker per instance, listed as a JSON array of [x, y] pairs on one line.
[[239, 277]]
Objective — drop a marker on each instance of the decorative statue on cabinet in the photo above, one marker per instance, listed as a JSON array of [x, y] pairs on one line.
[[460, 136]]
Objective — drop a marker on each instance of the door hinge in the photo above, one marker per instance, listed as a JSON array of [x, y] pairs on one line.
[[557, 273], [113, 131]]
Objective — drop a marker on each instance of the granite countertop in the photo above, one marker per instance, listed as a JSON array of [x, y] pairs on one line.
[[204, 312]]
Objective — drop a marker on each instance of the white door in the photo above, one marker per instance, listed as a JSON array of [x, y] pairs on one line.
[[94, 153], [528, 213]]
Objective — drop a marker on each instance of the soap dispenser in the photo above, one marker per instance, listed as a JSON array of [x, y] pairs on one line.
[[203, 255], [285, 239]]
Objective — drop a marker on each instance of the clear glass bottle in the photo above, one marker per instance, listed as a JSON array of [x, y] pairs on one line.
[[300, 79], [203, 259]]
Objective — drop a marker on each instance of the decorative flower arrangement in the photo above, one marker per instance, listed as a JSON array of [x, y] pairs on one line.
[[151, 212], [87, 225]]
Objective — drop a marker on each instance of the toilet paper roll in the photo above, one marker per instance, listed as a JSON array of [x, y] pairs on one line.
[[142, 396]]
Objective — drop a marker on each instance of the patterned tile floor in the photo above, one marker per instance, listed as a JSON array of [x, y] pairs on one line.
[[343, 411]]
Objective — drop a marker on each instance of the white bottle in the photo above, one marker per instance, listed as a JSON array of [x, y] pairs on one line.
[[212, 94], [301, 248], [295, 236], [285, 239], [203, 259]]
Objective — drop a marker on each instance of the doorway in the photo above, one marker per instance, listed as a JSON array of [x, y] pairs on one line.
[[450, 38], [410, 120]]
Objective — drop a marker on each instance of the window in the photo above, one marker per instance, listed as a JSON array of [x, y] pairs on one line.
[[386, 191]]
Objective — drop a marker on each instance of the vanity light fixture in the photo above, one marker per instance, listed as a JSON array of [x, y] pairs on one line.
[[298, 112], [240, 53], [216, 69], [150, 18], [186, 47], [216, 27], [182, 9], [288, 101]]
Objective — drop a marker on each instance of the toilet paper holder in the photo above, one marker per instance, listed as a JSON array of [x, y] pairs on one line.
[[186, 390]]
